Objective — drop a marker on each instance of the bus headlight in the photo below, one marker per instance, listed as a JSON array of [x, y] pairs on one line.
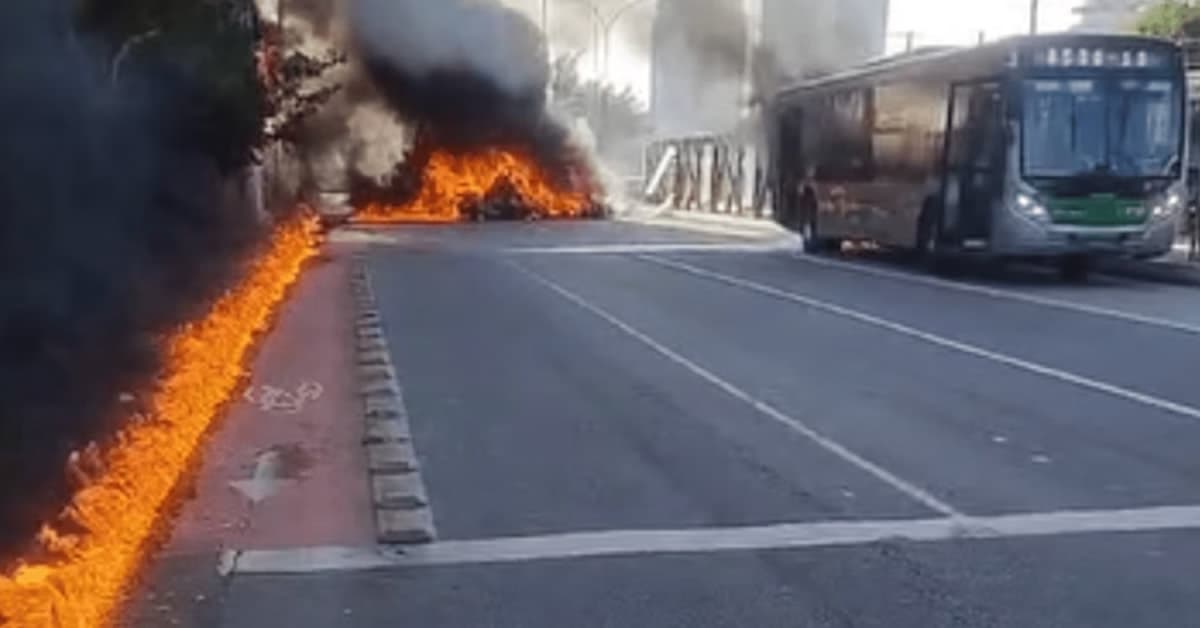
[[1168, 206], [1031, 206]]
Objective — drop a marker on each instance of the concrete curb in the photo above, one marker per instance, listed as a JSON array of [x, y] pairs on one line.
[[398, 495]]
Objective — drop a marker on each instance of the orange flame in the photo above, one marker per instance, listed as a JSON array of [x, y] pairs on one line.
[[128, 486], [451, 181]]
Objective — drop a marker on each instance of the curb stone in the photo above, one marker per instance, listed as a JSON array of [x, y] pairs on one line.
[[384, 409], [401, 491], [402, 512], [384, 388], [388, 431], [374, 373], [374, 358], [405, 527], [393, 457]]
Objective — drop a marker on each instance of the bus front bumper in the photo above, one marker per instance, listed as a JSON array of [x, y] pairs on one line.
[[1024, 237]]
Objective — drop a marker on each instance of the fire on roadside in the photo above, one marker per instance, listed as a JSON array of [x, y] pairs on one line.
[[507, 183], [97, 548]]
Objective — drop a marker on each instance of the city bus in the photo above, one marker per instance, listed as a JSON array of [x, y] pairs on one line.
[[1060, 147]]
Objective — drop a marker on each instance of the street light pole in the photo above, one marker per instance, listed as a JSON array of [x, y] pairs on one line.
[[608, 26], [1033, 17], [602, 27], [613, 18]]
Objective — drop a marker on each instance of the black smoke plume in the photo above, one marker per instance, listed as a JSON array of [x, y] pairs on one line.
[[467, 74], [112, 231]]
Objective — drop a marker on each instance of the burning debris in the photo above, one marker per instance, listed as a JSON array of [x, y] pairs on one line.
[[94, 548], [113, 229], [438, 185], [471, 78]]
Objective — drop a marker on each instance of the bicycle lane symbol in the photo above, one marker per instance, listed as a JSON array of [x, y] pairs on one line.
[[279, 400]]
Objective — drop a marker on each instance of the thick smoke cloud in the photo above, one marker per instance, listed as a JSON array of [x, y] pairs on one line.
[[468, 72], [480, 38], [111, 232]]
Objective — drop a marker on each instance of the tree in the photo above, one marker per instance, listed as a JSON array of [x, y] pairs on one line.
[[615, 115], [296, 85], [244, 90], [1170, 19], [199, 52]]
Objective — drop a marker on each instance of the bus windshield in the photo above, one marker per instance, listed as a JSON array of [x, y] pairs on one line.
[[1116, 127]]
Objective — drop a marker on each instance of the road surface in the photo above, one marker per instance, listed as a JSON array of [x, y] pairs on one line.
[[621, 425]]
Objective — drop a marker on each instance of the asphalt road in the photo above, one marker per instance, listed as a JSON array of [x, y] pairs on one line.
[[828, 442]]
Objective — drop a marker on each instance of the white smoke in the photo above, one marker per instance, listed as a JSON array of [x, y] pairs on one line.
[[421, 37]]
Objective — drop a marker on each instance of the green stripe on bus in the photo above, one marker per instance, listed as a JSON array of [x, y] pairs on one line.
[[1098, 211]]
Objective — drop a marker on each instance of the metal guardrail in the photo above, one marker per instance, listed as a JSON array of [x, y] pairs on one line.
[[719, 174]]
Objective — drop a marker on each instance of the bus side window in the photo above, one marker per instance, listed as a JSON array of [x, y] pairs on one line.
[[839, 129]]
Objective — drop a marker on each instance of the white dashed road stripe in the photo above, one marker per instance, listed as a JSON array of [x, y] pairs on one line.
[[934, 339], [764, 408], [997, 293]]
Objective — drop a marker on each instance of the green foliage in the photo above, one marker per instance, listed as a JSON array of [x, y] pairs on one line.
[[616, 114], [208, 46], [1170, 19], [298, 86]]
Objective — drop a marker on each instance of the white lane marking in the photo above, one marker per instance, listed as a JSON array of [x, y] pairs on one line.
[[934, 339], [764, 408], [689, 223], [785, 536], [996, 293], [618, 249], [267, 480]]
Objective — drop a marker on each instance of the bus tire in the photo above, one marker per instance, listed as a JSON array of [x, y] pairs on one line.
[[1074, 268], [929, 246], [808, 224]]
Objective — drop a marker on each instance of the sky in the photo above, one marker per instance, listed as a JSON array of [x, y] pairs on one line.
[[935, 22]]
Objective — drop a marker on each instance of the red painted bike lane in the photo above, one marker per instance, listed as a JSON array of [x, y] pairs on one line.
[[286, 468]]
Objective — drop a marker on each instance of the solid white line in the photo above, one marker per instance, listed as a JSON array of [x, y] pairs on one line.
[[766, 409], [996, 293], [744, 231], [617, 249], [934, 339], [709, 540]]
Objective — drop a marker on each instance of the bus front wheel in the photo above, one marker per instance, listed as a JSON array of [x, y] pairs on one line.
[[808, 225], [810, 234], [929, 244]]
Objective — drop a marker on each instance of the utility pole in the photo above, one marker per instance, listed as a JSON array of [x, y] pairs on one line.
[[602, 29], [1033, 17]]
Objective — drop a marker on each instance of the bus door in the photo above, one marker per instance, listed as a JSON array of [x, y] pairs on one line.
[[788, 164], [975, 162]]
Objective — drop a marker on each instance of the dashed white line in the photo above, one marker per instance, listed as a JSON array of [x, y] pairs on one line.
[[997, 293], [934, 339], [787, 536], [625, 249], [764, 408]]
